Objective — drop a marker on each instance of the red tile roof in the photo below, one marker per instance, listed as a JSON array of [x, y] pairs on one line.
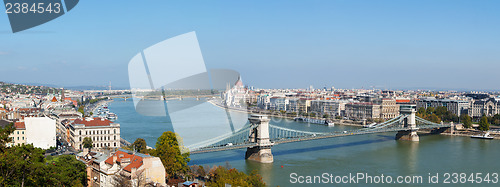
[[135, 160], [96, 121], [19, 125]]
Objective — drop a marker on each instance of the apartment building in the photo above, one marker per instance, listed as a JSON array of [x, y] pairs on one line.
[[362, 110], [455, 106], [104, 133], [388, 108]]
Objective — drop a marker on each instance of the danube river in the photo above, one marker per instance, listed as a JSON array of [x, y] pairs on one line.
[[449, 158]]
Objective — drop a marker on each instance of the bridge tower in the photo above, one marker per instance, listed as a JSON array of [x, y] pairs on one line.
[[408, 122], [259, 134]]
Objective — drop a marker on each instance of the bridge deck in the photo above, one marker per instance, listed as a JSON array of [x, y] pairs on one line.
[[307, 138]]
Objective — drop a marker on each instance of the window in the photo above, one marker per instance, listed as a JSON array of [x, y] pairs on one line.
[[17, 132], [18, 138], [22, 132], [86, 133], [23, 137], [115, 144], [80, 138], [115, 137], [114, 131], [80, 132]]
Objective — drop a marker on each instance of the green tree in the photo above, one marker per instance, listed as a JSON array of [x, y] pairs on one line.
[[434, 118], [80, 109], [421, 110], [466, 120], [483, 124], [219, 176], [430, 110], [140, 146], [326, 115], [496, 119], [4, 135], [87, 143], [168, 150], [25, 165], [69, 171], [441, 111]]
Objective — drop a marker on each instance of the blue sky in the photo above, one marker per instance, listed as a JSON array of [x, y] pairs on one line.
[[447, 44]]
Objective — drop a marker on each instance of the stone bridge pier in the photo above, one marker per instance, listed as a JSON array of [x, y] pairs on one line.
[[409, 122], [260, 134]]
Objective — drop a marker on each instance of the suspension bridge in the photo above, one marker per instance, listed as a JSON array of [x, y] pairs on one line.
[[259, 136]]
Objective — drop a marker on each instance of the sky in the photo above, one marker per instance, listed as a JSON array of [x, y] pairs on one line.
[[444, 44]]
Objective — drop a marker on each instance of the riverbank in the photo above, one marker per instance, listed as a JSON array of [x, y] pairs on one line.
[[217, 102]]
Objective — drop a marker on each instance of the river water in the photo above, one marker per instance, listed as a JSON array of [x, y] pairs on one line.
[[334, 159]]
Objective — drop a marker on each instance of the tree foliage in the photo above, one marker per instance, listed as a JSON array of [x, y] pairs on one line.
[[483, 124], [437, 114], [168, 150], [140, 146], [87, 142], [4, 135], [219, 176], [466, 120], [25, 165], [494, 120]]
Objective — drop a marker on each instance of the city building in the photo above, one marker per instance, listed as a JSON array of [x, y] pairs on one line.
[[363, 110], [40, 131], [388, 108], [19, 135], [330, 107], [104, 133], [485, 106], [103, 168], [278, 103], [456, 107]]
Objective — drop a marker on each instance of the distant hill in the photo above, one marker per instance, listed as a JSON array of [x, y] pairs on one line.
[[80, 88]]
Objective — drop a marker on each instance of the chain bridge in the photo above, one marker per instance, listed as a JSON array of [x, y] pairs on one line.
[[259, 136]]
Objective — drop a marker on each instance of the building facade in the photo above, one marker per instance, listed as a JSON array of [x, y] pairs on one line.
[[104, 133], [362, 110], [388, 108], [40, 131], [457, 107], [486, 107]]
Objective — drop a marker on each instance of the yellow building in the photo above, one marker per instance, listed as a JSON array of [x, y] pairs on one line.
[[19, 136]]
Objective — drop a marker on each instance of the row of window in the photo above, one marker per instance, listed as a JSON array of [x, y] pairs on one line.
[[97, 132], [100, 138], [21, 131], [104, 145], [17, 138]]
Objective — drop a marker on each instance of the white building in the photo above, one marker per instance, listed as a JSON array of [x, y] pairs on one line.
[[40, 131], [104, 133]]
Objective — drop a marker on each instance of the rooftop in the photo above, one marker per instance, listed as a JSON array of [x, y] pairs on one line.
[[92, 122]]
